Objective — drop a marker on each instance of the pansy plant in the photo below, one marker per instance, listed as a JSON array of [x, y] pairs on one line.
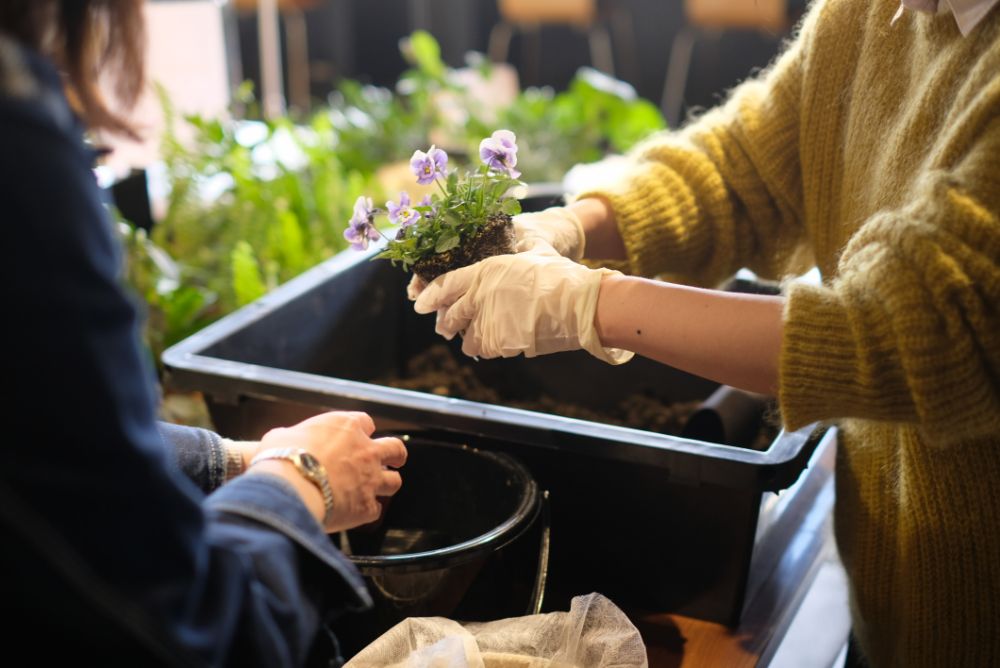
[[444, 220]]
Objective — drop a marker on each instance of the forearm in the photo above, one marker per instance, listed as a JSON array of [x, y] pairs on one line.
[[732, 338], [603, 240]]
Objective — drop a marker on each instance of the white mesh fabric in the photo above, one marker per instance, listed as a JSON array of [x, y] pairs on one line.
[[595, 633], [424, 642]]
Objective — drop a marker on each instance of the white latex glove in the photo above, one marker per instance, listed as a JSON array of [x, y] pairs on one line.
[[557, 226], [415, 287], [533, 303]]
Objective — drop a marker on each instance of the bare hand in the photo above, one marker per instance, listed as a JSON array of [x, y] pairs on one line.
[[355, 463]]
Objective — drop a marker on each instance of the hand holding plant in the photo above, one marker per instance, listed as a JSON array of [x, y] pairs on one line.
[[470, 219]]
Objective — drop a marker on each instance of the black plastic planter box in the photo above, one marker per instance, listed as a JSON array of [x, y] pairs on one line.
[[652, 521]]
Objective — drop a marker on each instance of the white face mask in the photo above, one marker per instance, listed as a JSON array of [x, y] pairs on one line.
[[968, 13]]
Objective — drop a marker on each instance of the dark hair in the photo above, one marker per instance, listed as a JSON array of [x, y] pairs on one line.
[[90, 41]]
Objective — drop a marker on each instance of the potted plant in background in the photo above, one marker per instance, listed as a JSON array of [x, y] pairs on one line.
[[467, 221], [595, 116], [246, 206], [374, 125], [249, 204]]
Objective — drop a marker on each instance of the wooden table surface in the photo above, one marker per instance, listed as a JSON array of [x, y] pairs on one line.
[[674, 640]]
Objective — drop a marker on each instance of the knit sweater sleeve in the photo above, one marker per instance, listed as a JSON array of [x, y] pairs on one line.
[[910, 330], [725, 192]]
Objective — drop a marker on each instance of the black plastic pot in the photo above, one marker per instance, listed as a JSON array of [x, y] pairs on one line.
[[465, 538]]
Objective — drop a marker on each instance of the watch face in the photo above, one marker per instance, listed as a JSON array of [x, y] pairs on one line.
[[310, 463]]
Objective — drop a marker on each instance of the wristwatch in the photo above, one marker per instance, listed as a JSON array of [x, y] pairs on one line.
[[308, 466]]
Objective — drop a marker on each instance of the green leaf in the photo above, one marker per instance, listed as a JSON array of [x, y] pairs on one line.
[[631, 123], [511, 206], [244, 92], [451, 217], [248, 282], [182, 309], [293, 252], [446, 242], [426, 53], [213, 131]]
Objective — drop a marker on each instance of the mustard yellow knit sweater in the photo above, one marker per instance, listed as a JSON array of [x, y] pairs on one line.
[[873, 151]]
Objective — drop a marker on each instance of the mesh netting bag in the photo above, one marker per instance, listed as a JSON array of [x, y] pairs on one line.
[[595, 633]]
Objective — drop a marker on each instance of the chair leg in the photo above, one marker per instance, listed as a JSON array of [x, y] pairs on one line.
[[623, 31], [298, 60], [677, 73], [420, 13], [598, 39], [531, 53], [499, 44], [600, 49], [272, 86]]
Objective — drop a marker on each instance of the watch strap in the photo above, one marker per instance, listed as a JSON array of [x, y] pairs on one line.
[[314, 471]]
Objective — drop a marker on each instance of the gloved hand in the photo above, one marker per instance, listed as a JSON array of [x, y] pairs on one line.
[[534, 303], [557, 226], [415, 287]]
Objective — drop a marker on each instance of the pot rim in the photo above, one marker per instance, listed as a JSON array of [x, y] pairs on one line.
[[522, 517]]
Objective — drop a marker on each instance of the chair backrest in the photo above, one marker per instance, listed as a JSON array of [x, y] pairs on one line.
[[576, 12], [720, 14]]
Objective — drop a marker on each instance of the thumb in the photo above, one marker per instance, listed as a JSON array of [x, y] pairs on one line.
[[540, 247], [444, 290], [528, 243], [415, 287]]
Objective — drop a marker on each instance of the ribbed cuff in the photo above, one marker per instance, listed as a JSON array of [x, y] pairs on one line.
[[235, 465], [819, 361], [660, 218]]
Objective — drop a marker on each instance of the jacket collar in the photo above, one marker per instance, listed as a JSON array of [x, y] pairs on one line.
[[968, 13]]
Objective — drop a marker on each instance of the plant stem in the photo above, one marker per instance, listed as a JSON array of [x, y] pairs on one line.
[[482, 191], [441, 187]]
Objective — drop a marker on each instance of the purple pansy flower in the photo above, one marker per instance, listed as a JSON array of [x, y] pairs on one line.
[[364, 212], [359, 237], [408, 216], [361, 229], [428, 166], [402, 214], [393, 208], [428, 202], [499, 152]]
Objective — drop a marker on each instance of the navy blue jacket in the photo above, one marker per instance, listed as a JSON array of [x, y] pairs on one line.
[[109, 554]]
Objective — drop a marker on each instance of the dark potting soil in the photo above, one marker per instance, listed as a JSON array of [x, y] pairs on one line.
[[436, 371], [496, 237]]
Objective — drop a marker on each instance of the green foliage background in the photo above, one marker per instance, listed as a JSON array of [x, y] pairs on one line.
[[240, 220]]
